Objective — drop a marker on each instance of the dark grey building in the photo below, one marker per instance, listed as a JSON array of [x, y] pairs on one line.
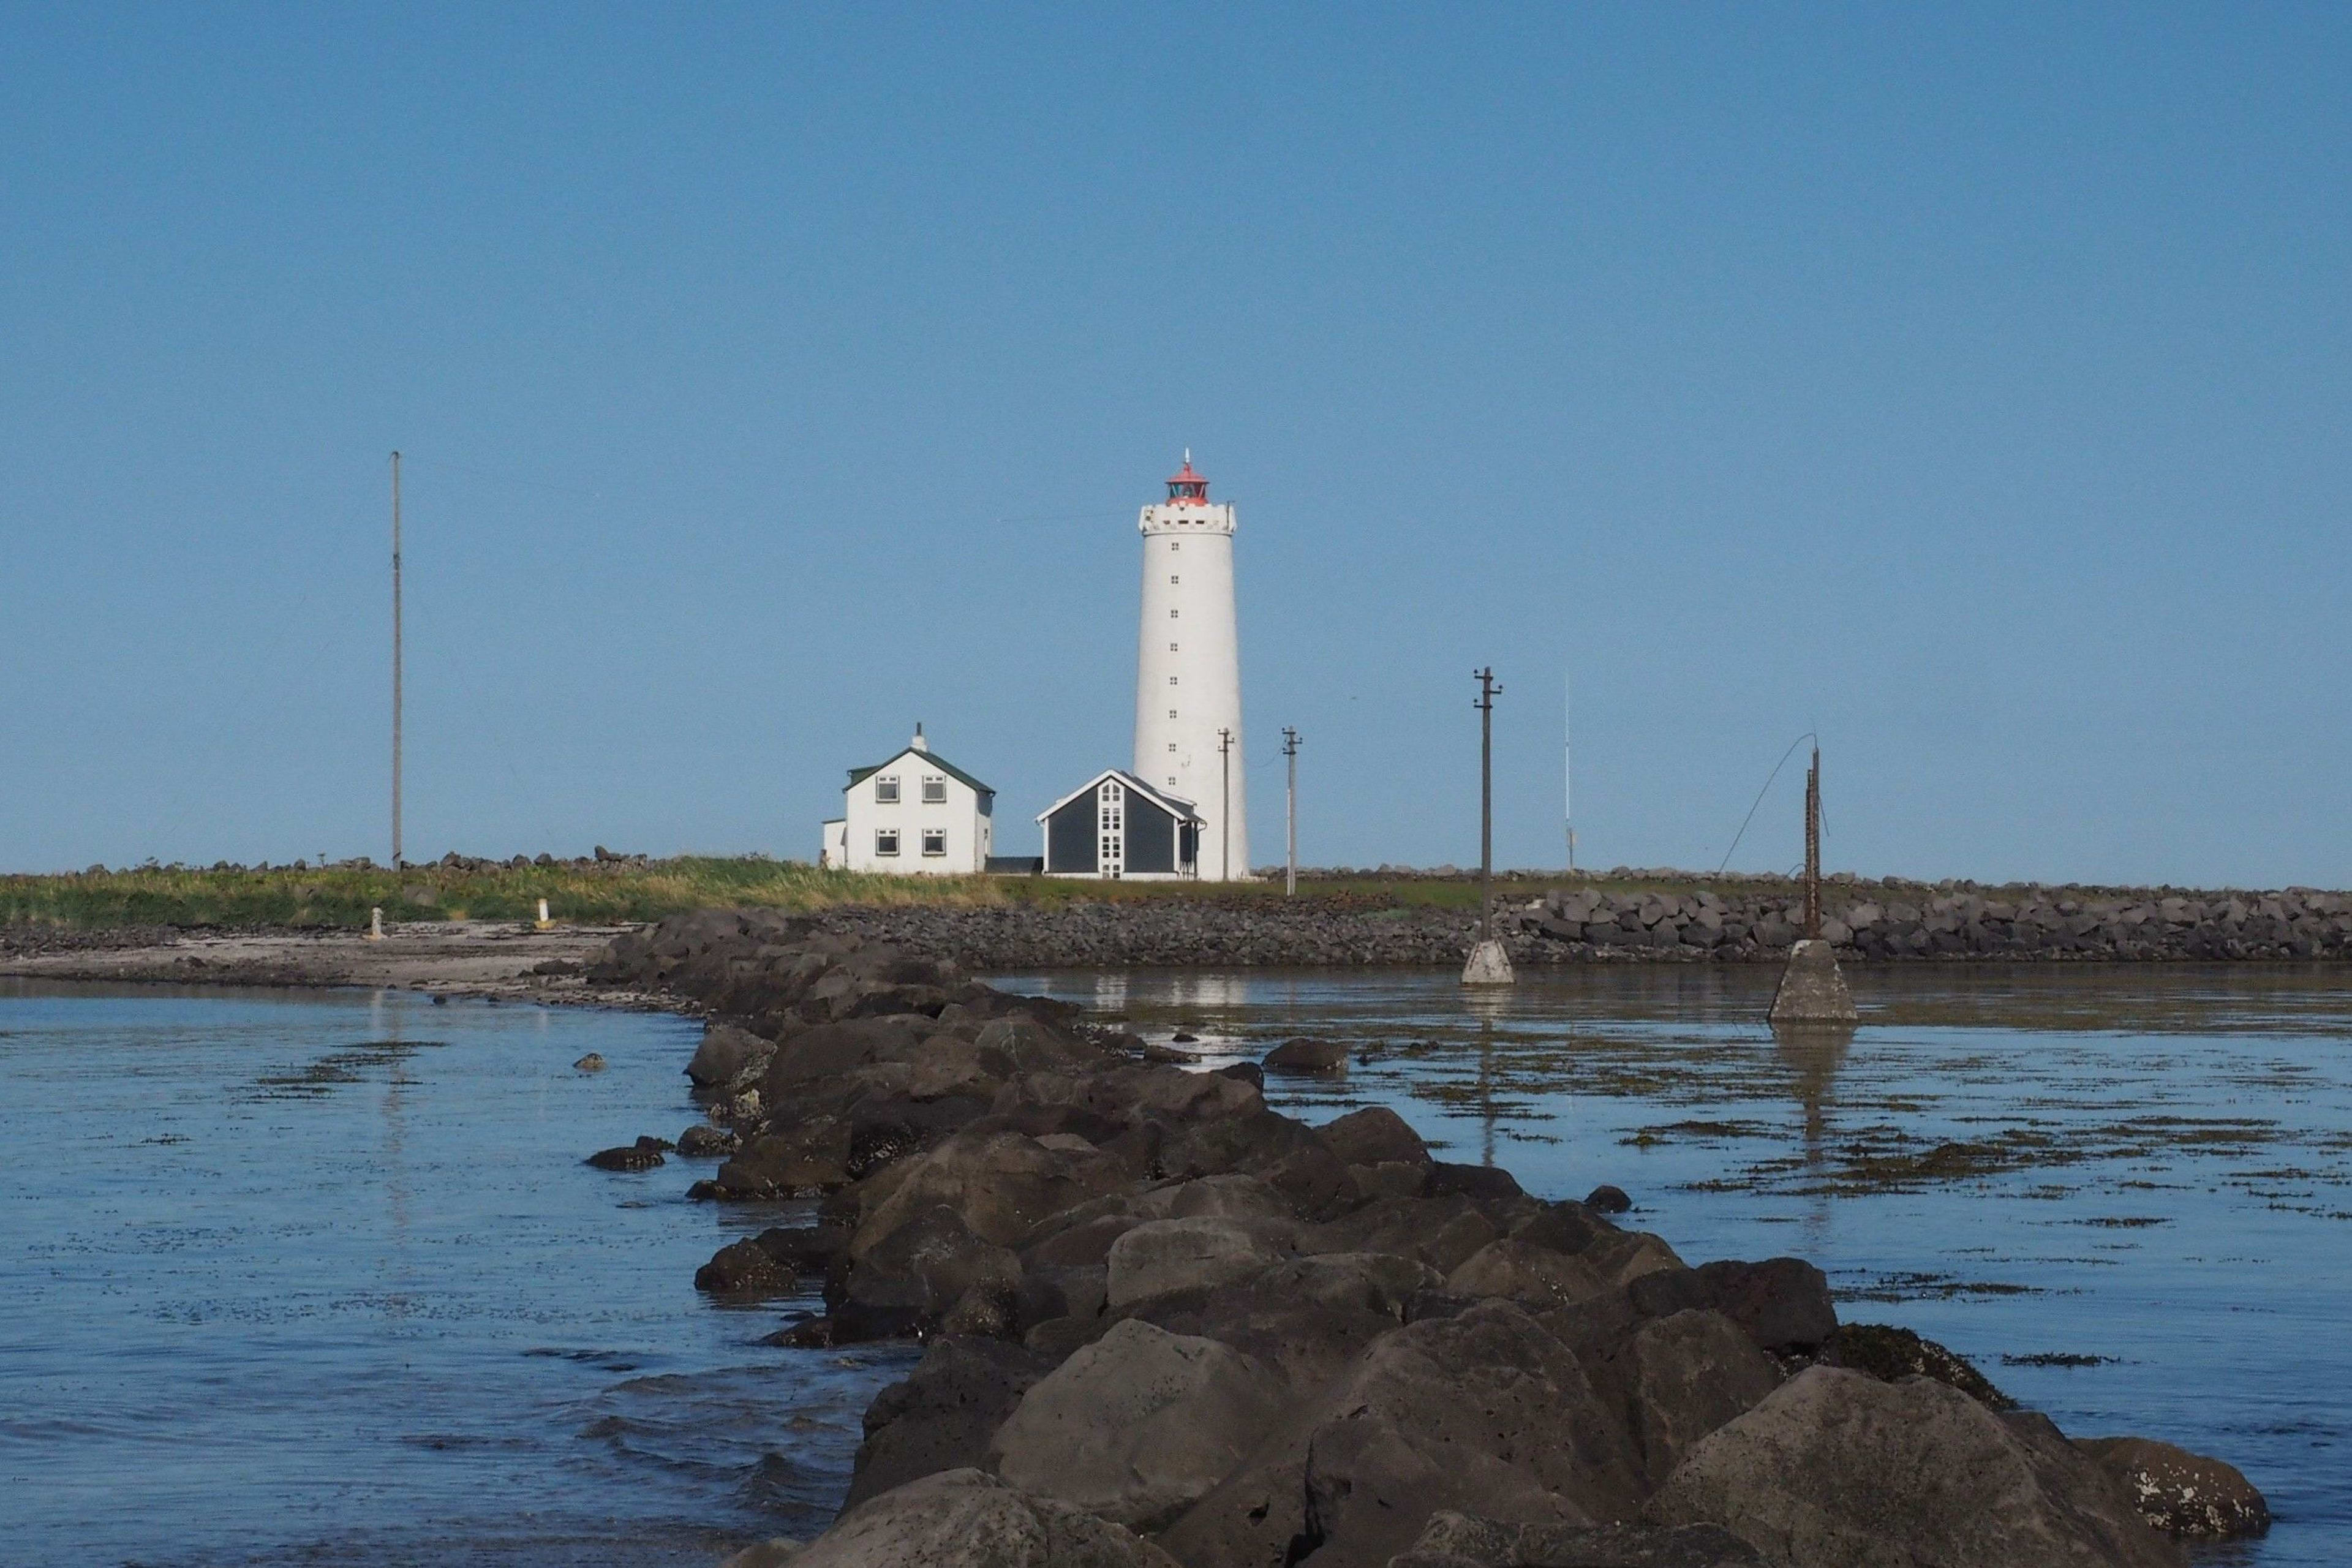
[[1117, 827]]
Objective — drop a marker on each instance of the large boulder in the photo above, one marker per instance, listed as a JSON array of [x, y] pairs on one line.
[[1782, 1303], [729, 1058], [940, 1415], [1685, 1376], [1484, 1412], [2180, 1492], [1443, 1232], [967, 1519], [1374, 1136], [1837, 1470], [1161, 1257], [1001, 1183], [1534, 1276], [1464, 1540], [929, 1271], [1138, 1426]]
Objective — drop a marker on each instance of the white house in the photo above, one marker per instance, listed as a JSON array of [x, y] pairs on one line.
[[1116, 826], [915, 814]]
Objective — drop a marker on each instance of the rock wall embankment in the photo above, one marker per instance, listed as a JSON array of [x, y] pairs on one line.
[[1866, 923], [1169, 1326]]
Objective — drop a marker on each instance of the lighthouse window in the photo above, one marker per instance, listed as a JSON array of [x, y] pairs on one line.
[[934, 840], [1171, 712], [1174, 614], [1175, 544], [1173, 579], [886, 841], [935, 790], [885, 791], [1171, 680], [1171, 648], [1171, 778], [1171, 745]]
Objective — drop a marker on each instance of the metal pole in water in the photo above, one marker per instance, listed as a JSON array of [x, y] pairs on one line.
[[1487, 692]]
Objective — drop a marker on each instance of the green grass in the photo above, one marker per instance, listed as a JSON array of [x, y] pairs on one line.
[[588, 893]]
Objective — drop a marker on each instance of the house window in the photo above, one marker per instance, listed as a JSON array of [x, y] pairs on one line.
[[886, 841], [934, 840], [886, 793], [935, 790]]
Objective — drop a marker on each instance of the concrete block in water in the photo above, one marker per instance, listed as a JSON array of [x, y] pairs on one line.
[[1488, 965], [1812, 990]]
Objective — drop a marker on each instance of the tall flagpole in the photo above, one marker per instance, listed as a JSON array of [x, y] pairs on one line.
[[395, 661]]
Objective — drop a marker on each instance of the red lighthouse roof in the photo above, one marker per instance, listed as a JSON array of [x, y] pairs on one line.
[[1186, 487]]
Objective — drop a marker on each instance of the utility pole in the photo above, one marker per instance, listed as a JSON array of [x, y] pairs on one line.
[[1290, 751], [1225, 816], [1813, 846], [395, 661], [1488, 692], [1488, 965]]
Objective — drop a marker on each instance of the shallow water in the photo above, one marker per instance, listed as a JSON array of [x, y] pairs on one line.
[[2148, 1165], [293, 1278]]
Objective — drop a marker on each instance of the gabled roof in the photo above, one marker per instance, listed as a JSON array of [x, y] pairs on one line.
[[930, 759], [1175, 806]]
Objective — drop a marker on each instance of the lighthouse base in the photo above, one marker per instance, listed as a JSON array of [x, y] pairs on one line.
[[1812, 988], [1488, 965]]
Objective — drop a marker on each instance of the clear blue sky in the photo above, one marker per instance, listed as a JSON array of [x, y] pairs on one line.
[[1970, 386]]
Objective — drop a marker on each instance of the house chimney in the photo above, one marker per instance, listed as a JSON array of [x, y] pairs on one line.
[[920, 744]]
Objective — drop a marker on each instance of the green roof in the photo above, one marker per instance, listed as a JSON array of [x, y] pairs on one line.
[[859, 775]]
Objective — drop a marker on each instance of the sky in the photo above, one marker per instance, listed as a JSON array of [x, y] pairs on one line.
[[1965, 385]]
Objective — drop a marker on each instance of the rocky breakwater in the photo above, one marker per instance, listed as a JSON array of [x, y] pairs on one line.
[[1739, 921], [1908, 922], [1166, 1324]]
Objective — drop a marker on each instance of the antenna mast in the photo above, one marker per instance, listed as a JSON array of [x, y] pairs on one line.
[[395, 661], [1568, 763]]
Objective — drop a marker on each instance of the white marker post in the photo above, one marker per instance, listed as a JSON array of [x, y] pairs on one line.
[[375, 925], [544, 923]]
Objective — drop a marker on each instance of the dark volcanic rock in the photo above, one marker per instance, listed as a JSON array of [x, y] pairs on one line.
[[2180, 1492], [1307, 1056], [966, 1519], [1840, 1470], [627, 1157], [1460, 1540], [941, 1414], [1606, 1199], [1891, 1354]]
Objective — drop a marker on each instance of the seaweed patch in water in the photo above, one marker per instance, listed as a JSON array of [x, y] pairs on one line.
[[2060, 1358]]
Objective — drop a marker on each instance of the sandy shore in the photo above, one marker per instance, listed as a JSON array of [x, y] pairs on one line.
[[463, 958]]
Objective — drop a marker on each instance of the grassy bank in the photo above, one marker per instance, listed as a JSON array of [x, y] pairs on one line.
[[601, 892], [586, 892]]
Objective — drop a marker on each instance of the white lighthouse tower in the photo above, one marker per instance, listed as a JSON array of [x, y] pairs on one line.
[[1188, 669]]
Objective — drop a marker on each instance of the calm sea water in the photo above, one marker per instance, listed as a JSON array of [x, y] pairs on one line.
[[322, 1279], [294, 1279], [2150, 1166]]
